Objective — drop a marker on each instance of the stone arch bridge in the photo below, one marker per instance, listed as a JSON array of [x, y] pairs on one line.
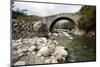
[[51, 20]]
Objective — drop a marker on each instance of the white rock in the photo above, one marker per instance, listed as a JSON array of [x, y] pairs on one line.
[[32, 48], [48, 61], [19, 51], [33, 53], [49, 34], [19, 46], [26, 40], [61, 51], [20, 63], [38, 55], [71, 38], [21, 54], [68, 35], [40, 45], [33, 42], [60, 57], [52, 46], [64, 53], [55, 42], [59, 48], [44, 40], [14, 45], [49, 41], [42, 57], [24, 49], [59, 33], [19, 40], [53, 59], [13, 41], [44, 51], [55, 34]]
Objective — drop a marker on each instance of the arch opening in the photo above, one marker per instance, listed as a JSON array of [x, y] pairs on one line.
[[58, 19]]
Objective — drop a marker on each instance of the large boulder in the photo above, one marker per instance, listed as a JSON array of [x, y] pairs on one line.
[[44, 51], [32, 48], [60, 53]]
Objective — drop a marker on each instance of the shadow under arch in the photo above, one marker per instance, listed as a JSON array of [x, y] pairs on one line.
[[58, 19]]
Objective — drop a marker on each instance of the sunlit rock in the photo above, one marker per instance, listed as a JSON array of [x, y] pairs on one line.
[[19, 51], [32, 48], [53, 59], [55, 34], [59, 57], [67, 35], [48, 61], [55, 42], [21, 54], [38, 54], [20, 63], [60, 53], [44, 40], [44, 51], [49, 34]]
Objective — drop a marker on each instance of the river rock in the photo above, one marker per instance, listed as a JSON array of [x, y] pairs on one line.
[[53, 59], [21, 54], [19, 51], [67, 35], [32, 48], [55, 42], [59, 57], [20, 63], [48, 61], [60, 53], [44, 51], [55, 34], [15, 58]]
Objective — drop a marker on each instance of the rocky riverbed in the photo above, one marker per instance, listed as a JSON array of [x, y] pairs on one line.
[[37, 50], [34, 44]]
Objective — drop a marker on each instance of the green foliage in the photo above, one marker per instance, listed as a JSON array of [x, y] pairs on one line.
[[88, 19], [57, 26], [21, 14], [65, 25], [18, 14]]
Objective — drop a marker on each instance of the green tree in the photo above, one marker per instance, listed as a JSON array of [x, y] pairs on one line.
[[18, 13], [67, 25], [64, 25], [21, 14], [88, 19]]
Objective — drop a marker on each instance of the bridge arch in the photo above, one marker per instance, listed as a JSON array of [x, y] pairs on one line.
[[61, 18]]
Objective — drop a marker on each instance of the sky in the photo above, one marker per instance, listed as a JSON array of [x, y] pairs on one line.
[[44, 9]]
